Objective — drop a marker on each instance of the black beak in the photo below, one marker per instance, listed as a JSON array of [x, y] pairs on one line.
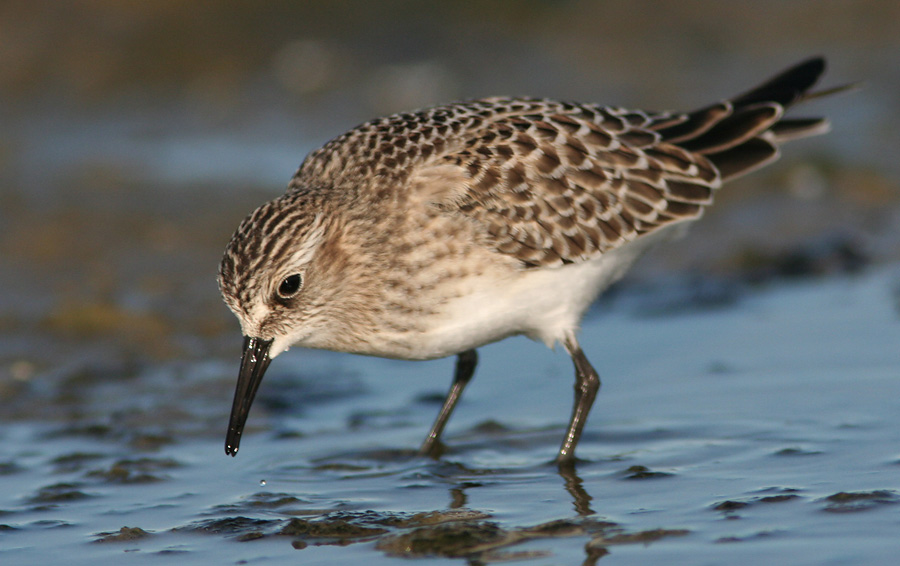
[[254, 362]]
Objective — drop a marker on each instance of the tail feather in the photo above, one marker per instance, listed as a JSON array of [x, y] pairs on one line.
[[736, 129], [746, 157], [743, 133], [796, 128], [694, 124], [786, 88]]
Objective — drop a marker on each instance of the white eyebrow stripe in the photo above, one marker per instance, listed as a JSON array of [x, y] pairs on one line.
[[307, 248]]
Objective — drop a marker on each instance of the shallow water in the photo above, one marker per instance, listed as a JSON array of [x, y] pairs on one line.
[[765, 431]]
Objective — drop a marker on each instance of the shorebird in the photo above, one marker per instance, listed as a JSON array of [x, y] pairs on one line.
[[429, 234]]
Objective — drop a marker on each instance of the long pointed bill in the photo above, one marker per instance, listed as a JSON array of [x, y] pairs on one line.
[[254, 362]]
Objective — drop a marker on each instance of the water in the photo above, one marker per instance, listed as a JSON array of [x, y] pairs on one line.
[[762, 432]]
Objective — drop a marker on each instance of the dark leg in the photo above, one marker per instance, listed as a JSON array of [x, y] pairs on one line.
[[587, 383], [465, 368]]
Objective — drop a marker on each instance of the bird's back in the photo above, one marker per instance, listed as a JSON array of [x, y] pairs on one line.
[[553, 183]]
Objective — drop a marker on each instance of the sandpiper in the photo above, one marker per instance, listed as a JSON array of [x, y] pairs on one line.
[[428, 234]]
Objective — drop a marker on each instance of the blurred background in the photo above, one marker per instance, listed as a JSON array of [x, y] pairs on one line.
[[136, 135]]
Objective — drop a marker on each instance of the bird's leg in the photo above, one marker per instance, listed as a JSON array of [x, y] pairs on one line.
[[587, 384], [465, 368]]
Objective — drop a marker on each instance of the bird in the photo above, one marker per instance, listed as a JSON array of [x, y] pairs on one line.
[[429, 234]]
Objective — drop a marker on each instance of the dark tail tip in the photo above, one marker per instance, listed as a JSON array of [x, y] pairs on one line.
[[786, 87]]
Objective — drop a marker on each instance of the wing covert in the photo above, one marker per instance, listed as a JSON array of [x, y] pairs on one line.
[[554, 183]]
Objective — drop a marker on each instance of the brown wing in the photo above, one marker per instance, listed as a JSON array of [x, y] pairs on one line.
[[554, 182]]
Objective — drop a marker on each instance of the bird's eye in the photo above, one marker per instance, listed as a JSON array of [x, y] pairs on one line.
[[289, 286]]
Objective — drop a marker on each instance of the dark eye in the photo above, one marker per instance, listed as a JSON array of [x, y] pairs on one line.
[[289, 286]]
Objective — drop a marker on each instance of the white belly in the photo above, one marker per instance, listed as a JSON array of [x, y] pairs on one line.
[[543, 304]]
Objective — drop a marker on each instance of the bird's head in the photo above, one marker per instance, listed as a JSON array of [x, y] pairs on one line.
[[278, 276]]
